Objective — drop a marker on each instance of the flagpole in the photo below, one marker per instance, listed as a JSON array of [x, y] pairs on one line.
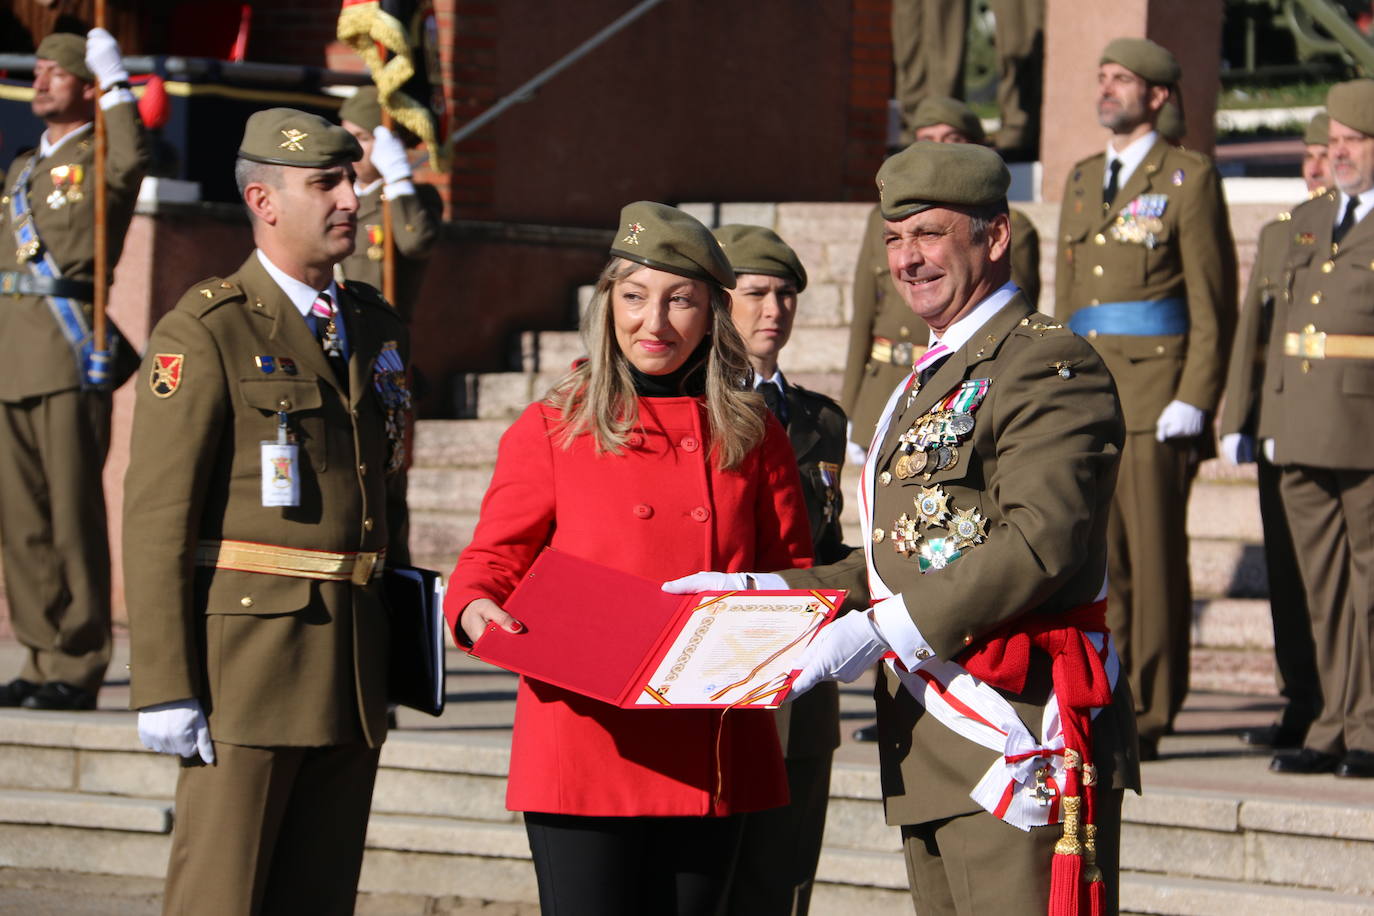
[[388, 239], [99, 299]]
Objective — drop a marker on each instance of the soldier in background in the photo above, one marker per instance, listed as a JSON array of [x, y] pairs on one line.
[[1244, 421], [54, 414], [776, 865], [1146, 272]]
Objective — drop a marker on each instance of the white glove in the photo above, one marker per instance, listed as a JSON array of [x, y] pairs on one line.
[[856, 453], [724, 582], [1178, 419], [389, 156], [177, 728], [104, 60], [1238, 448], [841, 651], [1268, 446]]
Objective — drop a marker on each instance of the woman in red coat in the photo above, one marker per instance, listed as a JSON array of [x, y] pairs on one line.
[[651, 458]]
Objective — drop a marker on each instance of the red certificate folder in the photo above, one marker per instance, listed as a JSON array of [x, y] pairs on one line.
[[606, 634]]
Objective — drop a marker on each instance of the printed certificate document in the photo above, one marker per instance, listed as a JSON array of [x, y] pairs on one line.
[[621, 639]]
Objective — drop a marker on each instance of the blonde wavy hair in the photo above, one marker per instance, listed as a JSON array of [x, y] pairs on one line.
[[598, 396]]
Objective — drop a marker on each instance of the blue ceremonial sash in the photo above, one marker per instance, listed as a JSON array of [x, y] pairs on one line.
[[1140, 318], [93, 364]]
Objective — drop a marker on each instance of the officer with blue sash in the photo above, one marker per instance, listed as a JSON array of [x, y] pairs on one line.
[[1147, 272]]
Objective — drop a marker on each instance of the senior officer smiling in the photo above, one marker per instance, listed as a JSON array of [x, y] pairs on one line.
[[269, 413], [987, 495]]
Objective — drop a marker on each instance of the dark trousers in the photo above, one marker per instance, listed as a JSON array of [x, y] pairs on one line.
[[631, 866], [270, 830]]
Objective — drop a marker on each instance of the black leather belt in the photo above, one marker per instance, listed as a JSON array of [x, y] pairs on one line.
[[14, 283]]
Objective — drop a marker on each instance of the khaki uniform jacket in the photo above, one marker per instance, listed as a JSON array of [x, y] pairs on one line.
[[1193, 257], [1243, 410], [816, 428], [275, 660], [1040, 466], [36, 357], [415, 221], [879, 311], [1320, 411]]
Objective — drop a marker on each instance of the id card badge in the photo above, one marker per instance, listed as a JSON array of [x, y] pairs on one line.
[[281, 482]]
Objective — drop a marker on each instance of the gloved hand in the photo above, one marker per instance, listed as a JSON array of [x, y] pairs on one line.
[[389, 156], [723, 582], [1268, 446], [855, 453], [178, 728], [104, 60], [1238, 448], [841, 651], [1178, 419]]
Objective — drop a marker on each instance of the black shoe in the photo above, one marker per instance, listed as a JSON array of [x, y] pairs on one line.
[[1356, 765], [1148, 748], [16, 691], [867, 733], [57, 695], [1305, 761], [1276, 736]]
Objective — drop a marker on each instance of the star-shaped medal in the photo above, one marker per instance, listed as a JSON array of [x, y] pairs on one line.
[[932, 506]]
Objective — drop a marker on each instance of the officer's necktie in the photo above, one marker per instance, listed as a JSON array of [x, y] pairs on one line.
[[327, 333], [930, 362], [1347, 220], [1109, 195], [772, 396]]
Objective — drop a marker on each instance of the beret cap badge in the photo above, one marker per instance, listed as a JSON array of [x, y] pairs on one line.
[[293, 141], [633, 237]]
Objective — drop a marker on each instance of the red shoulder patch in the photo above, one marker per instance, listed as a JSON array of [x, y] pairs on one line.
[[165, 377]]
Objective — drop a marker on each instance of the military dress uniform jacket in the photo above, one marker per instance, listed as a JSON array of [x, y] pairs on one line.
[[274, 660], [415, 223], [1320, 410], [36, 357], [1039, 467], [1125, 254], [880, 311], [1243, 410]]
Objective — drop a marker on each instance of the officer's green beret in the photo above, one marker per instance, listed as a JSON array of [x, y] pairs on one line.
[[756, 250], [68, 51], [1317, 130], [1352, 104], [926, 175], [285, 136], [666, 238], [363, 109], [939, 110], [1147, 60], [1171, 124]]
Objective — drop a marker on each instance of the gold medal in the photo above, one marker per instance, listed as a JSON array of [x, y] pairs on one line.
[[902, 467], [918, 462]]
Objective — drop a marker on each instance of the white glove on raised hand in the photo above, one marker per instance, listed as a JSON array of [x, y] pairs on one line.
[[841, 651], [177, 728], [1178, 419], [724, 582], [1268, 446], [104, 60], [389, 156], [1238, 448]]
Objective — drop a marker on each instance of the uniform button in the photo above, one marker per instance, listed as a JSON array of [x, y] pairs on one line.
[[701, 514], [1097, 270], [885, 478], [1328, 267], [690, 444], [284, 403], [1316, 298], [1159, 349], [1092, 335], [904, 332], [362, 467], [967, 639], [1100, 239], [643, 511], [1306, 367], [367, 523], [634, 440], [354, 411], [1094, 302], [923, 654], [246, 601], [878, 535]]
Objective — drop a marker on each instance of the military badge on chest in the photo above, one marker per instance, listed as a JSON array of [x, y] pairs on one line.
[[931, 444], [376, 238], [389, 381], [66, 186], [1141, 220]]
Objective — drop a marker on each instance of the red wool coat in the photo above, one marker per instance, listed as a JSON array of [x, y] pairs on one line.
[[660, 510]]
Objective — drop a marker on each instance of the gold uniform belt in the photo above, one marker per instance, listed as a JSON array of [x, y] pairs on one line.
[[890, 351], [356, 567], [1313, 344]]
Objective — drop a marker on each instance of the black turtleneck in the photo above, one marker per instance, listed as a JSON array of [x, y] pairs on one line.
[[688, 380]]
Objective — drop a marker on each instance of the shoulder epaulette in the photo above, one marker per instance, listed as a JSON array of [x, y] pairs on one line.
[[209, 294], [1040, 325]]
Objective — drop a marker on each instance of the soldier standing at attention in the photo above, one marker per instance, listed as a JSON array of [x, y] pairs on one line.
[[54, 404], [1146, 272], [776, 865], [881, 331], [1318, 374], [270, 411], [1246, 419]]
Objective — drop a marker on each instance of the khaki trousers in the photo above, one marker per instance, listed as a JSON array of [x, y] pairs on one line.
[[1331, 514], [56, 545], [1019, 36], [1294, 653], [928, 38], [270, 830]]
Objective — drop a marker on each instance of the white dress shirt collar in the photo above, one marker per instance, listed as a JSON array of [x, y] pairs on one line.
[[1361, 209], [962, 331], [46, 148], [301, 295], [1130, 157]]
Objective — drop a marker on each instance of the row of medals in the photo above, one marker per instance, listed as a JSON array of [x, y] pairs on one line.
[[931, 444]]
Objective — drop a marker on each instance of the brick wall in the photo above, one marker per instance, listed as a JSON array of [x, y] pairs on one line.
[[870, 87]]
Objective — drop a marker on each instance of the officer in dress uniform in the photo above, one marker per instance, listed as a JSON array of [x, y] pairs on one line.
[[56, 385], [1318, 372], [269, 412], [986, 505], [779, 849], [1146, 272], [881, 333], [1245, 421]]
